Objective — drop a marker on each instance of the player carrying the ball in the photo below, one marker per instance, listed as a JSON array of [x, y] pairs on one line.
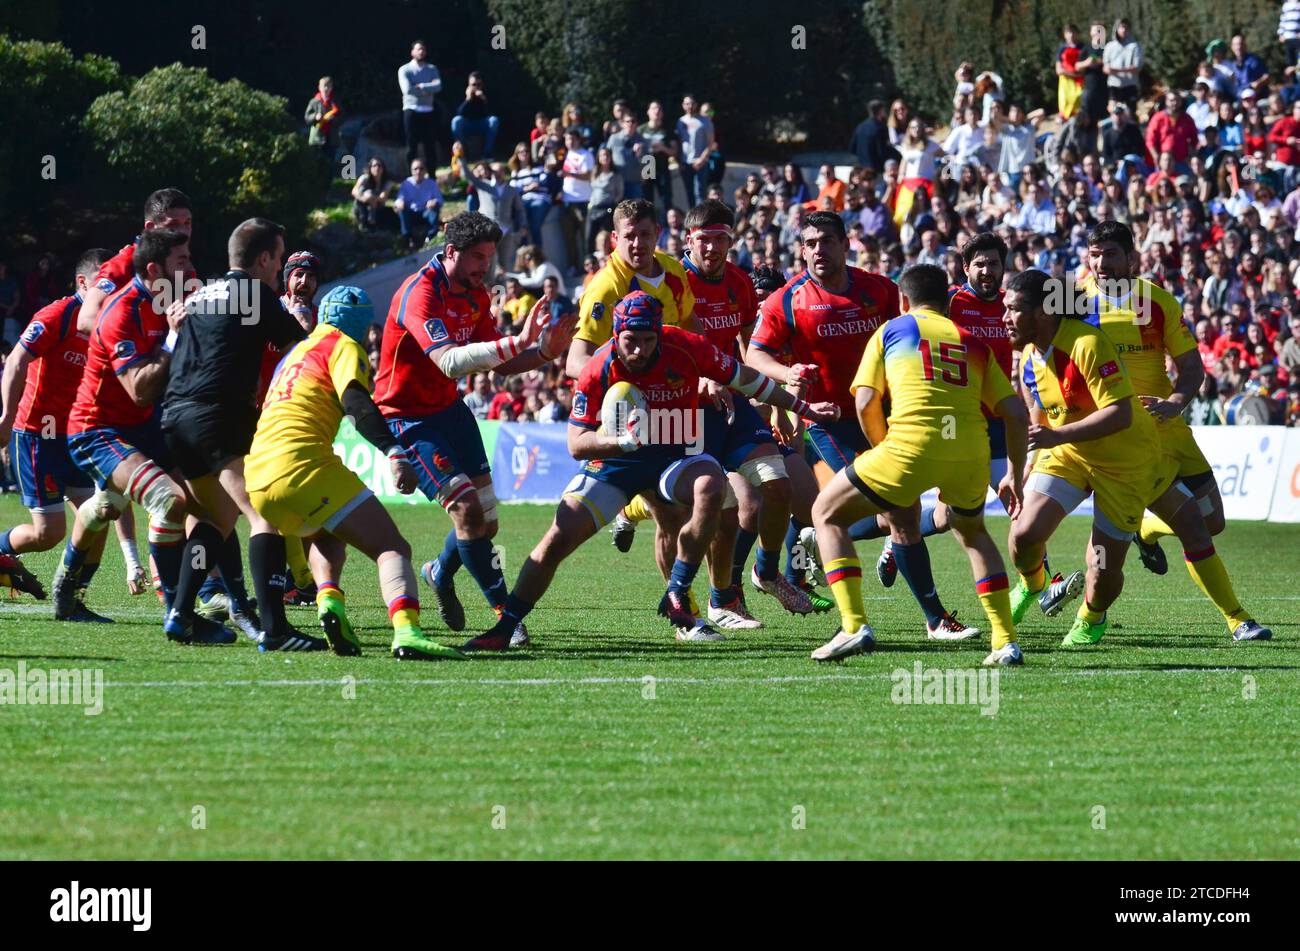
[[666, 365]]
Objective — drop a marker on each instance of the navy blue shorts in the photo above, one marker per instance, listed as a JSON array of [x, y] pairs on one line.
[[731, 443], [97, 452], [838, 442], [43, 469], [444, 445]]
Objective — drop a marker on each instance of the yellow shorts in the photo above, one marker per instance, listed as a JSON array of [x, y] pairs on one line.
[[1121, 496], [884, 474], [306, 504], [1179, 444]]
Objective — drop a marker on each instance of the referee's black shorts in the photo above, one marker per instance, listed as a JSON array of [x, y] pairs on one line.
[[203, 437]]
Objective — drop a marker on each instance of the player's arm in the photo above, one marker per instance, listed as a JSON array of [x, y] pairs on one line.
[[550, 344], [595, 324], [480, 355], [587, 443], [1011, 489], [11, 388], [759, 386], [145, 379], [1111, 419], [368, 421], [1190, 376], [90, 304], [580, 352]]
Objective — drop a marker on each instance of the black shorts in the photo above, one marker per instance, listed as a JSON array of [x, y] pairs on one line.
[[203, 437]]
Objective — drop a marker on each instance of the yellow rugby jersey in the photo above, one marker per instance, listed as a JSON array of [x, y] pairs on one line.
[[303, 408], [616, 280], [1080, 373], [936, 382], [1143, 326]]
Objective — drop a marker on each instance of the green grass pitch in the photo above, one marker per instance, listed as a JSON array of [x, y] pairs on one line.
[[1166, 741]]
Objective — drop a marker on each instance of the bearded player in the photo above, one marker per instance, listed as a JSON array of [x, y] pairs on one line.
[[666, 365], [439, 329]]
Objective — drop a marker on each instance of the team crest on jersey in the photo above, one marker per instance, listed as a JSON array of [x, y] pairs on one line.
[[105, 285], [436, 330], [124, 350], [580, 404], [442, 463], [598, 310], [33, 331], [1110, 368]]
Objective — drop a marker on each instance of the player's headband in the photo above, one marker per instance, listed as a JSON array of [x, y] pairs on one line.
[[350, 310], [638, 311], [720, 230], [301, 260]]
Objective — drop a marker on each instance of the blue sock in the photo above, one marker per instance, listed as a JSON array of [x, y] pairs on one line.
[[865, 529], [209, 587], [744, 545], [718, 598], [682, 576], [477, 555], [515, 609], [5, 547], [767, 563], [87, 573], [167, 559], [450, 559], [73, 558], [914, 565], [792, 574]]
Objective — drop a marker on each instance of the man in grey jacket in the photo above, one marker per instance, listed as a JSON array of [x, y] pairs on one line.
[[419, 81], [500, 201]]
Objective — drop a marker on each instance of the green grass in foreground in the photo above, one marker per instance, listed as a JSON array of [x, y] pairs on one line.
[[1185, 739]]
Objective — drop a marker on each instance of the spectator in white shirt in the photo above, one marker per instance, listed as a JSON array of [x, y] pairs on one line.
[[963, 141], [579, 164]]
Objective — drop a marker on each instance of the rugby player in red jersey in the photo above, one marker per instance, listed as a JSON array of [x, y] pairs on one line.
[[440, 328], [726, 307], [825, 316], [114, 432], [40, 379], [666, 365]]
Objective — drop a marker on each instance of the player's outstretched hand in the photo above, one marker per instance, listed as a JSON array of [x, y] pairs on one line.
[[558, 333], [176, 315], [822, 413], [718, 395], [535, 323], [1042, 437], [1012, 494], [403, 474], [1158, 408]]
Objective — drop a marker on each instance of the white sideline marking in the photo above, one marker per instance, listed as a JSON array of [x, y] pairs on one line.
[[608, 681]]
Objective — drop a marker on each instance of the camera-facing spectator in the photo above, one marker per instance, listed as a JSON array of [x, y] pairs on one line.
[[473, 116], [419, 205]]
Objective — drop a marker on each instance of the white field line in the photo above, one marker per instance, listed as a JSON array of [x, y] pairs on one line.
[[621, 681]]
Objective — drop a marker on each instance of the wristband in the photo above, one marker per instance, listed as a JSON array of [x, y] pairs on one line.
[[170, 343], [799, 407], [398, 452]]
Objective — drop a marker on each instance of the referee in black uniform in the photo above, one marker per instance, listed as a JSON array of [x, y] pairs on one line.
[[209, 417]]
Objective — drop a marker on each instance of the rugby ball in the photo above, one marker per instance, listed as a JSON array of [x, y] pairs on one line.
[[620, 400]]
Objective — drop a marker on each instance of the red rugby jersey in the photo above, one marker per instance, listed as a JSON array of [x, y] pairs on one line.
[[55, 373]]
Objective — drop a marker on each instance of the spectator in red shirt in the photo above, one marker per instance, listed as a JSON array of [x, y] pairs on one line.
[[1172, 130], [1205, 337], [1165, 172], [1230, 337], [1285, 136], [511, 398]]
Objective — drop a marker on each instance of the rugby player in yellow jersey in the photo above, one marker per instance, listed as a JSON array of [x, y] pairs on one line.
[[937, 437], [1090, 436], [636, 265], [1145, 323], [297, 483]]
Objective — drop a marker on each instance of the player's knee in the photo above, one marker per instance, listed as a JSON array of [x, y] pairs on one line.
[[467, 514]]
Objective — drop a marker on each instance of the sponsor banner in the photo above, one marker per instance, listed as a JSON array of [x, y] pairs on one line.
[[372, 465], [1246, 460], [1286, 494], [532, 462]]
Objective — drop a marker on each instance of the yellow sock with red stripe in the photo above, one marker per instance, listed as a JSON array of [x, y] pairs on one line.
[[1153, 528], [1035, 580], [995, 597], [1207, 570], [844, 575]]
